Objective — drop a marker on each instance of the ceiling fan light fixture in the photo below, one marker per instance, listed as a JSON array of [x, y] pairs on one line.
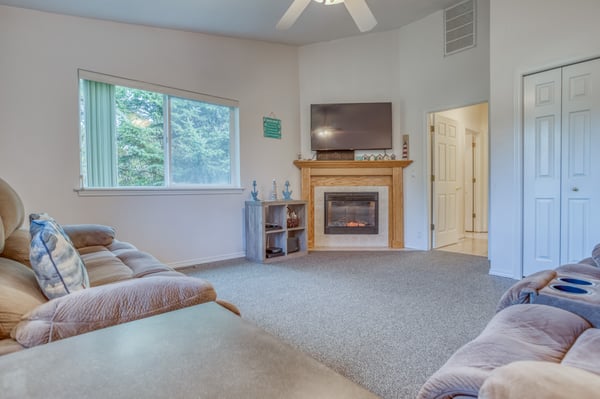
[[358, 9], [329, 2]]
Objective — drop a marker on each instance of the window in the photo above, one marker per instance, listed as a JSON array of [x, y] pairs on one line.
[[135, 134]]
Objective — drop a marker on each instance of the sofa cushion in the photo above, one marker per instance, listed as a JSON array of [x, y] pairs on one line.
[[141, 263], [518, 332], [9, 345], [107, 305], [57, 265], [19, 293], [103, 266], [531, 379], [584, 353], [121, 261], [16, 247]]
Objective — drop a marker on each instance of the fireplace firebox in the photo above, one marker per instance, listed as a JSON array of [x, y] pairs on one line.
[[351, 213]]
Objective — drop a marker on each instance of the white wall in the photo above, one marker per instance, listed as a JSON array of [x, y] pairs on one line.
[[360, 69], [525, 37], [405, 66], [39, 149]]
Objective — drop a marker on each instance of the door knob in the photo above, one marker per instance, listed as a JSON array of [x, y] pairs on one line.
[[575, 189]]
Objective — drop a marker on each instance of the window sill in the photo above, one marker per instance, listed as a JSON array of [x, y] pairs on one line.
[[155, 191]]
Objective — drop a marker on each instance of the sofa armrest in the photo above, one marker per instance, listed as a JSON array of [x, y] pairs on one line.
[[229, 306], [526, 290], [532, 379], [103, 306], [88, 235]]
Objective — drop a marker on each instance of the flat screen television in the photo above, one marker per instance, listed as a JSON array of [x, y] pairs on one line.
[[351, 126]]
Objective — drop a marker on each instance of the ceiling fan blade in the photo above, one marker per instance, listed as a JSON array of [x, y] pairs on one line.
[[292, 14], [361, 14]]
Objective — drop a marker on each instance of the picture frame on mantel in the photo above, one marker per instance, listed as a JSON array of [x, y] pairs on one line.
[[337, 155]]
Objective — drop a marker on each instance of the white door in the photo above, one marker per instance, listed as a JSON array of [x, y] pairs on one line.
[[445, 184], [562, 134], [541, 172], [469, 180], [581, 161]]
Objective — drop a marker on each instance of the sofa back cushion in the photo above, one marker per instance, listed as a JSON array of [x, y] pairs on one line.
[[19, 293], [596, 254], [86, 235], [17, 245]]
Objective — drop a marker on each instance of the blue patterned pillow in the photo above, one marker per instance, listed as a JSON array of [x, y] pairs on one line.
[[58, 267]]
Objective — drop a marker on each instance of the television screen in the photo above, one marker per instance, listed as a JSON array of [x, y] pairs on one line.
[[352, 126]]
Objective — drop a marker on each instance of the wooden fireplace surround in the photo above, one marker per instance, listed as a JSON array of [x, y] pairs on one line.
[[356, 173]]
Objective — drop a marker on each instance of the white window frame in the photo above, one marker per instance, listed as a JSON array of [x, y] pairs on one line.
[[234, 148]]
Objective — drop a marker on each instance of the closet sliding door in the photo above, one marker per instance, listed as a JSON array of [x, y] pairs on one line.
[[581, 161], [541, 171], [561, 175]]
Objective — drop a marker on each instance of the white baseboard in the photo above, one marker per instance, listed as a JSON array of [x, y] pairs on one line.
[[499, 273], [198, 261]]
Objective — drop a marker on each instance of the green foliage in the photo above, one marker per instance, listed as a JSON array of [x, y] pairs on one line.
[[140, 143], [199, 140], [199, 143]]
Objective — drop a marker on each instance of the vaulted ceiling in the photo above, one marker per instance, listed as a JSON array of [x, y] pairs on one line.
[[251, 19]]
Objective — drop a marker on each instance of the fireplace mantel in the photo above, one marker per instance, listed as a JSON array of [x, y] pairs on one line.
[[357, 173]]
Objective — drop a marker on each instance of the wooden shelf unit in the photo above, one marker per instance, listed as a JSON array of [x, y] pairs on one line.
[[259, 237]]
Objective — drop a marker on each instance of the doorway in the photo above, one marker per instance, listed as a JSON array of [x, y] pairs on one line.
[[458, 152]]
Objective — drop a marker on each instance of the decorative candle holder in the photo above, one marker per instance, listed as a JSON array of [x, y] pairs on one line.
[[274, 191], [287, 194], [254, 192]]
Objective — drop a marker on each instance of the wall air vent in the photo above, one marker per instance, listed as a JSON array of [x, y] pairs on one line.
[[460, 27]]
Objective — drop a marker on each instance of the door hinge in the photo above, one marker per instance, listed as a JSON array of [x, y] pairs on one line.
[[474, 180], [474, 216], [431, 129], [432, 226], [432, 177], [473, 145]]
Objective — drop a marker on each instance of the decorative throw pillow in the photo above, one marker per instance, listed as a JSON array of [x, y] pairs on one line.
[[58, 267]]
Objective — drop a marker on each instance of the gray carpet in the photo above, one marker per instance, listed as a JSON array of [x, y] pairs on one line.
[[386, 320]]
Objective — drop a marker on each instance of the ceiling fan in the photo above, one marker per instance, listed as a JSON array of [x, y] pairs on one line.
[[358, 9]]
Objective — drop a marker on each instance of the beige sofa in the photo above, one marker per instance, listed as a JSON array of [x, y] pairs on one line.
[[125, 284], [542, 342]]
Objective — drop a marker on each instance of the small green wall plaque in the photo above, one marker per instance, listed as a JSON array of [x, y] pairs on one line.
[[272, 127]]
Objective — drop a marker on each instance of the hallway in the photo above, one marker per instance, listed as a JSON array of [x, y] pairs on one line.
[[471, 244]]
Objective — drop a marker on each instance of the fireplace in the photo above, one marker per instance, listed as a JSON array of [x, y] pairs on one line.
[[384, 177], [351, 213]]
